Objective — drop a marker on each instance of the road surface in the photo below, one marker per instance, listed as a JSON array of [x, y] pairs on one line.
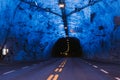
[[59, 69]]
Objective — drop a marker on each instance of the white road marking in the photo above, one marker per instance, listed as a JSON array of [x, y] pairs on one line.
[[95, 66], [56, 77], [25, 67], [50, 77], [8, 72], [56, 70], [117, 78], [104, 71]]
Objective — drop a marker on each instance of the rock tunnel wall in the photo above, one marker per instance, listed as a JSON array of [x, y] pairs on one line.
[[29, 32]]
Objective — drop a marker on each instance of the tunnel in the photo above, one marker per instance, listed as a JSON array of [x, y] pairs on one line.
[[29, 29], [60, 47]]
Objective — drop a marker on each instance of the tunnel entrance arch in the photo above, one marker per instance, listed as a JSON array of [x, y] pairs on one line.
[[60, 46]]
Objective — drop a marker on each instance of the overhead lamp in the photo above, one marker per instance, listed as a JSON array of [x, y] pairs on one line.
[[61, 5], [5, 51], [65, 27]]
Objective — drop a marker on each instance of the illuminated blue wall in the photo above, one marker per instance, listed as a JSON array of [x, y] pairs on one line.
[[33, 31]]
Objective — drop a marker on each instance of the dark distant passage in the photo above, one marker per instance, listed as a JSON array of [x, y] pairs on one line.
[[62, 49]]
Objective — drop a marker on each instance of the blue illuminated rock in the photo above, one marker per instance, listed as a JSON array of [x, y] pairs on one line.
[[31, 32]]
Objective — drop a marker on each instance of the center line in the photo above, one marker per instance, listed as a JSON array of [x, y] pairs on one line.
[[60, 70], [62, 65], [117, 78], [56, 69], [8, 72], [50, 77], [56, 77], [104, 71]]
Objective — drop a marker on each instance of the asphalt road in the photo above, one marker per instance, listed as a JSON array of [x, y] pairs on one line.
[[58, 69]]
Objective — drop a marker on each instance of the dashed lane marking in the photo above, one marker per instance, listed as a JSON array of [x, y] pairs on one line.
[[60, 70], [50, 77], [56, 77], [95, 66], [56, 70], [62, 66], [117, 78], [8, 72], [25, 67], [104, 71]]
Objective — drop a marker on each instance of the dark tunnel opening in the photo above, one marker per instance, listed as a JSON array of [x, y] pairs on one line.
[[60, 47]]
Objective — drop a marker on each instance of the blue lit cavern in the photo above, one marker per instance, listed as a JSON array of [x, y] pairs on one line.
[[30, 28]]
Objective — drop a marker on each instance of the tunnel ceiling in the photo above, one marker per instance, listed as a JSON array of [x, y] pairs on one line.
[[29, 28]]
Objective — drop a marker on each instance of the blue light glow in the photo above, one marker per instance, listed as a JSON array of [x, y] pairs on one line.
[[35, 30]]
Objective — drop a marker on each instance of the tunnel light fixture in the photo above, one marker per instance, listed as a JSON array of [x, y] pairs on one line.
[[65, 27], [61, 5], [5, 51]]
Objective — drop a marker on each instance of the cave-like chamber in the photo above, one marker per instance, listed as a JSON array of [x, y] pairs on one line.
[[60, 48]]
